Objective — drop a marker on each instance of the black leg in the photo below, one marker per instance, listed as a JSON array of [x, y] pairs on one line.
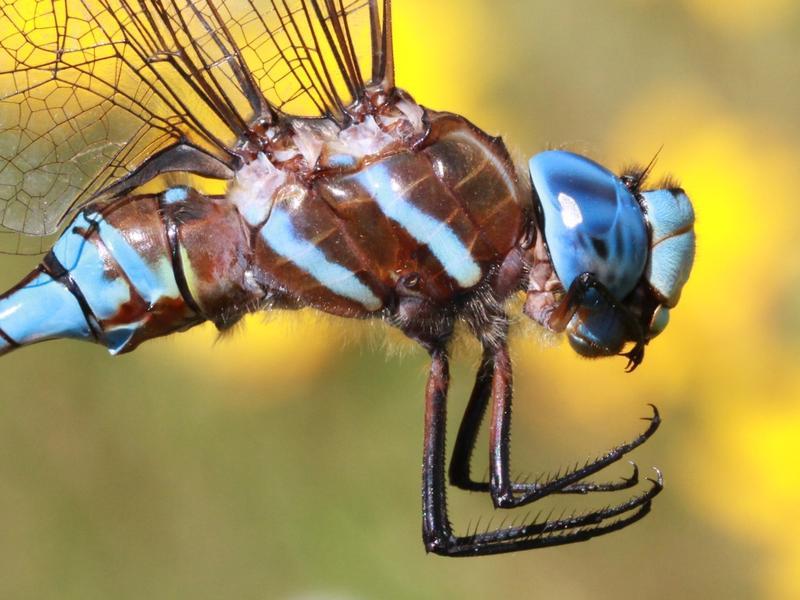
[[461, 460], [543, 534], [502, 488], [437, 531]]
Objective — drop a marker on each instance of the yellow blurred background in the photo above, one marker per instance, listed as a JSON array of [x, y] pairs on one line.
[[284, 460]]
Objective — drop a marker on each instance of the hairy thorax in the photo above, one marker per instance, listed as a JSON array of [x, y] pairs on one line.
[[402, 213]]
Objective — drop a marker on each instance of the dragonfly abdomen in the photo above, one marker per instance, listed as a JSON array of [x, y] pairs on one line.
[[138, 268]]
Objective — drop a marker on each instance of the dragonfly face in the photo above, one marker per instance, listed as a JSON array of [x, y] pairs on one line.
[[622, 253], [341, 194]]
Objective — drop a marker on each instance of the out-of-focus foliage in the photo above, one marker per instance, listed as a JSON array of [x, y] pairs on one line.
[[284, 462]]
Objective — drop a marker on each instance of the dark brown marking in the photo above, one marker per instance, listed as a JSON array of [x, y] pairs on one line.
[[171, 227], [8, 339]]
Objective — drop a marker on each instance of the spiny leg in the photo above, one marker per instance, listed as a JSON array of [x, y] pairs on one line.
[[461, 460], [543, 534], [502, 488], [437, 531]]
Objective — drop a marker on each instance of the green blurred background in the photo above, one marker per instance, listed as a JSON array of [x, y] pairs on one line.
[[274, 464]]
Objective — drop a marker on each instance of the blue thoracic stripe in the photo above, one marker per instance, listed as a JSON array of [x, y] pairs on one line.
[[442, 241], [279, 233]]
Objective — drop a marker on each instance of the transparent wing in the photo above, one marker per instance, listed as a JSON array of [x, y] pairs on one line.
[[89, 89]]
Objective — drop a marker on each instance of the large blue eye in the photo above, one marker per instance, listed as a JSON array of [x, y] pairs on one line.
[[592, 222], [671, 219]]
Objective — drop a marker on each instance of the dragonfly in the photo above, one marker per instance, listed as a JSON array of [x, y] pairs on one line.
[[197, 160]]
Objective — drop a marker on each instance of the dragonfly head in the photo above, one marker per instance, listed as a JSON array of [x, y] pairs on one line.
[[622, 254]]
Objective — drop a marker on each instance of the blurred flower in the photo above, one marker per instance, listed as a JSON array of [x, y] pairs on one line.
[[741, 16], [274, 351]]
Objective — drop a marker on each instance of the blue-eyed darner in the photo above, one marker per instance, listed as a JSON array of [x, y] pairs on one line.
[[376, 207]]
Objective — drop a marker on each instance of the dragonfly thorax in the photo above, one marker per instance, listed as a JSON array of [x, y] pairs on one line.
[[400, 213]]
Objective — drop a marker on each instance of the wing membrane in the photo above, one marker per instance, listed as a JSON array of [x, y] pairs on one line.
[[89, 89]]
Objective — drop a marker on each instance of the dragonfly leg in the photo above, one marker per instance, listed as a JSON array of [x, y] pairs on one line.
[[438, 533], [502, 488], [461, 460]]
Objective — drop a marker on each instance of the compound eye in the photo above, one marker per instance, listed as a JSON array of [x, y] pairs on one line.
[[592, 222], [671, 219], [597, 329], [597, 336]]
